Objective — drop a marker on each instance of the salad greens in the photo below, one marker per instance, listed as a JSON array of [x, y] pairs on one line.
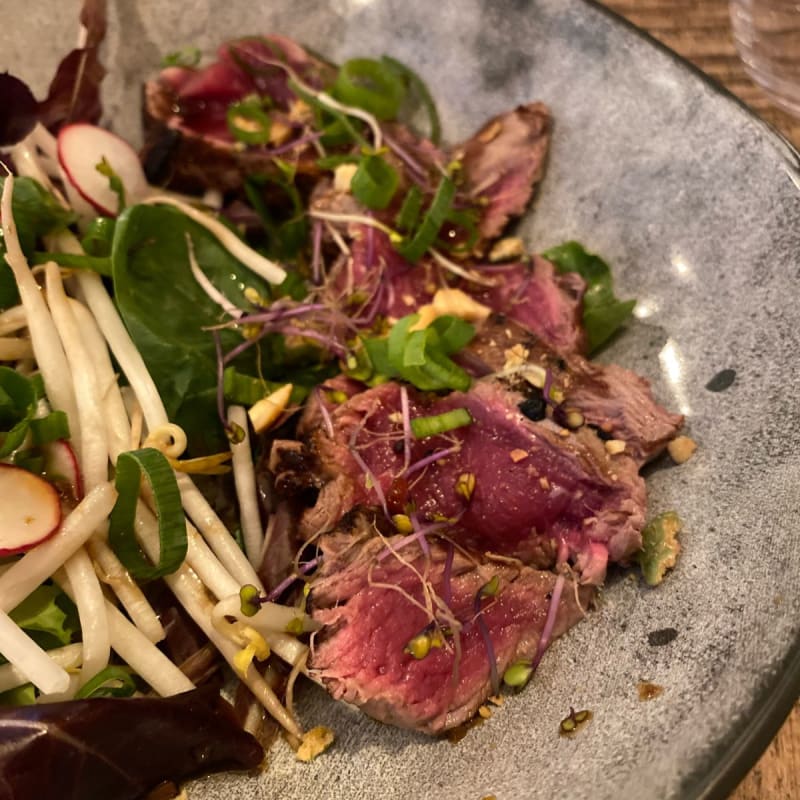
[[603, 312]]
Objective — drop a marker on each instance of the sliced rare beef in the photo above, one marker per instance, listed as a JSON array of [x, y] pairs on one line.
[[618, 402], [534, 295], [185, 114], [503, 162], [372, 603], [535, 484]]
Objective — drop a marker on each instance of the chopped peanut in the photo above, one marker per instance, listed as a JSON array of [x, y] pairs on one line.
[[507, 249], [518, 455], [681, 449], [615, 446], [315, 742], [343, 176]]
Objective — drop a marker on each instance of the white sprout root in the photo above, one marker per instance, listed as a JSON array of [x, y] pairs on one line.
[[245, 480]]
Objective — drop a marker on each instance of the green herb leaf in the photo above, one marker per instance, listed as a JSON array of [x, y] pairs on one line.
[[374, 182], [153, 465], [24, 695], [371, 85], [99, 237], [17, 407], [603, 312], [660, 547], [151, 270], [36, 212], [99, 264], [114, 182], [50, 428]]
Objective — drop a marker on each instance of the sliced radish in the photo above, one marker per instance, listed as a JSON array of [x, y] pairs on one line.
[[30, 510], [61, 468], [81, 147]]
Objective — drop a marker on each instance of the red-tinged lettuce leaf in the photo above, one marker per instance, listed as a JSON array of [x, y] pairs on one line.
[[74, 94], [94, 17], [118, 749], [19, 110]]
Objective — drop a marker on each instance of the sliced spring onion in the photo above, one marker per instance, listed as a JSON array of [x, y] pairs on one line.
[[371, 85], [416, 86], [153, 465], [50, 428], [440, 423], [248, 122], [375, 182], [413, 249], [408, 215], [113, 681]]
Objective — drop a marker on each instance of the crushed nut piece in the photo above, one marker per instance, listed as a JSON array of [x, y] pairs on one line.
[[615, 447], [506, 249], [681, 449], [343, 177], [485, 712], [574, 419], [518, 455], [315, 742], [544, 483]]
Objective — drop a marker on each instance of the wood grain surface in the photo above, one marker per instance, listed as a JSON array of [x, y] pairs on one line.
[[700, 31]]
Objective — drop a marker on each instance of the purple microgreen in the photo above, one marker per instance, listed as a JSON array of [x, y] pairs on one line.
[[369, 475], [447, 575], [548, 385], [418, 173], [406, 414], [419, 534], [552, 613], [432, 458], [303, 569], [323, 410], [489, 590], [316, 253]]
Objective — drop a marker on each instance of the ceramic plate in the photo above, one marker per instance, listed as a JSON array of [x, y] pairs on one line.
[[695, 203]]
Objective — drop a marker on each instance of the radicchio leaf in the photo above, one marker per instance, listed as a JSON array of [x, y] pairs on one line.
[[18, 110], [119, 749]]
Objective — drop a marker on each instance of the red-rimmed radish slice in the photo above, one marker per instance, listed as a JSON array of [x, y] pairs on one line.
[[30, 510], [62, 469], [81, 147]]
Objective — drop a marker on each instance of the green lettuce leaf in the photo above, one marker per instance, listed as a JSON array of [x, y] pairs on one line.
[[603, 311]]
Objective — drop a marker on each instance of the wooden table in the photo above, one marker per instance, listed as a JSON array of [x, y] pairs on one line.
[[700, 31]]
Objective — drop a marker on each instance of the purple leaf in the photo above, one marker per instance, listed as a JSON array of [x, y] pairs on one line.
[[119, 749], [18, 110]]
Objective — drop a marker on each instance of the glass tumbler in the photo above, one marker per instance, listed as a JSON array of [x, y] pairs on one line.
[[767, 35]]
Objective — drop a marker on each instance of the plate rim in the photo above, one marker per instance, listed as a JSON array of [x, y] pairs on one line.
[[732, 760]]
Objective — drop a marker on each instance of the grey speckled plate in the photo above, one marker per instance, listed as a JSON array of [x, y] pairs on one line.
[[696, 205]]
